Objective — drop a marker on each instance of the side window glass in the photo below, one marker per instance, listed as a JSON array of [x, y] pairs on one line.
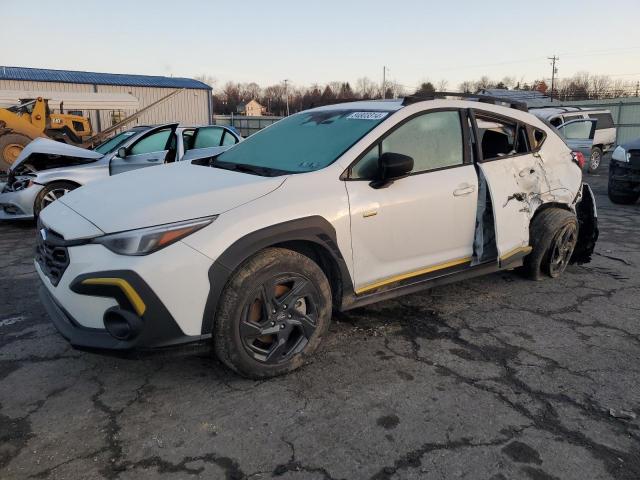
[[187, 139], [229, 139], [538, 138], [605, 120], [368, 164], [522, 145], [155, 142], [497, 137], [577, 130], [433, 140], [556, 121], [208, 137]]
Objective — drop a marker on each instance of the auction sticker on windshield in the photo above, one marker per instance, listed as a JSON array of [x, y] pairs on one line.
[[367, 115]]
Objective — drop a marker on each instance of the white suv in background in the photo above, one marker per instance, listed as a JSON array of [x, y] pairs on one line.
[[605, 133], [331, 208]]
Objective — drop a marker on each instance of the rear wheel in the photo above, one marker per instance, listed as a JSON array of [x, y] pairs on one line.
[[50, 193], [553, 235], [273, 314], [11, 145], [595, 159]]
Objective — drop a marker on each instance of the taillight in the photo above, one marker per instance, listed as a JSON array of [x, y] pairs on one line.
[[578, 158]]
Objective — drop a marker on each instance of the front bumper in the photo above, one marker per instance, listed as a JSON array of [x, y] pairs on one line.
[[155, 328], [18, 205], [625, 176]]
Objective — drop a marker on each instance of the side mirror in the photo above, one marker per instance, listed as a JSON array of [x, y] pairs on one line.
[[392, 167], [122, 152]]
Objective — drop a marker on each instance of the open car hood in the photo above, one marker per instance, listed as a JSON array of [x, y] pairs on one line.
[[46, 146], [165, 194]]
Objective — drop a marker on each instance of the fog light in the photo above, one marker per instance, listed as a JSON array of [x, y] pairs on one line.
[[122, 324]]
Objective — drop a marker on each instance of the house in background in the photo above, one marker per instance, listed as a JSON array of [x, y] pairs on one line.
[[251, 109]]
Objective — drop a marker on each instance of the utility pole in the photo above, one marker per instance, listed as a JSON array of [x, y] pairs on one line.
[[384, 81], [286, 94], [637, 88], [554, 70]]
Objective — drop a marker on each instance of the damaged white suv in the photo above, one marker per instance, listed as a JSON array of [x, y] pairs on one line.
[[331, 208]]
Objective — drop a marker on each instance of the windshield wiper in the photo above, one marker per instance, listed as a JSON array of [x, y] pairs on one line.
[[251, 169]]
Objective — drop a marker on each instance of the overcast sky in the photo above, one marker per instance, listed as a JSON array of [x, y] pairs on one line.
[[317, 42]]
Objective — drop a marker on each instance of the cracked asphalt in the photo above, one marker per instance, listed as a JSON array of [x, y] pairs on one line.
[[493, 378]]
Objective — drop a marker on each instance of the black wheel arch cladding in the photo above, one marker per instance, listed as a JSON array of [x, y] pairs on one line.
[[315, 230]]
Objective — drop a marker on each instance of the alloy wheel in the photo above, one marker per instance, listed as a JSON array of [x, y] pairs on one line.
[[562, 249], [594, 161], [280, 318], [53, 195]]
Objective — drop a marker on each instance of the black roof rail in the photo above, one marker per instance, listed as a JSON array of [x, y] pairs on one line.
[[518, 105]]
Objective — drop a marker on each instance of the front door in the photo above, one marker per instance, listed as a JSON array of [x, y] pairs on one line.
[[154, 148], [578, 134], [419, 224]]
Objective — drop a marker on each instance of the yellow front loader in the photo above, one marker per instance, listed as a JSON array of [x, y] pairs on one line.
[[32, 119]]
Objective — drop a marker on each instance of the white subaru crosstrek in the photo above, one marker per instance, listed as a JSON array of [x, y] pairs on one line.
[[331, 208]]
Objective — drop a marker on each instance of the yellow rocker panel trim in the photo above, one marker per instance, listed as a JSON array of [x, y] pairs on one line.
[[433, 268], [127, 289], [414, 273]]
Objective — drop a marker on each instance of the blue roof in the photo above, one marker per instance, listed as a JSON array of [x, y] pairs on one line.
[[94, 78]]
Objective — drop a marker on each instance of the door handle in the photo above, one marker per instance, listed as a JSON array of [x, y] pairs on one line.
[[153, 159], [464, 191]]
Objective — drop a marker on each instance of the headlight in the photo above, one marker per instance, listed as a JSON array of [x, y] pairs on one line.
[[620, 154], [148, 240]]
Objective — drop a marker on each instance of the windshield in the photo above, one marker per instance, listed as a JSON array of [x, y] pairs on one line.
[[115, 142], [303, 142]]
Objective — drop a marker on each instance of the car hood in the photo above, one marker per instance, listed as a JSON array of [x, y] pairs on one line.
[[51, 147], [165, 194]]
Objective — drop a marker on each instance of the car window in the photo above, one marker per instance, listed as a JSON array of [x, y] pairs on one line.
[[368, 164], [497, 137], [187, 139], [538, 138], [605, 120], [114, 143], [208, 137], [155, 142], [576, 130], [304, 142], [557, 121], [522, 141], [229, 139], [433, 140]]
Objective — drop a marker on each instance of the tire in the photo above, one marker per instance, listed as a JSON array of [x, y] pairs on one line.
[[553, 235], [50, 193], [272, 314], [11, 145], [595, 159]]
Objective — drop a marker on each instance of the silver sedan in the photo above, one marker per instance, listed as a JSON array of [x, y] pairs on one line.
[[46, 170]]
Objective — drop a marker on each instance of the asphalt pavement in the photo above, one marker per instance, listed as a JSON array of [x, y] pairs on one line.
[[493, 378]]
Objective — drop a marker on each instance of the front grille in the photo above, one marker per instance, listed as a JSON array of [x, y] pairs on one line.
[[634, 158], [51, 254]]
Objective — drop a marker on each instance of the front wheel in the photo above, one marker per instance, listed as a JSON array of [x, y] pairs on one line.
[[273, 314], [553, 235], [50, 193]]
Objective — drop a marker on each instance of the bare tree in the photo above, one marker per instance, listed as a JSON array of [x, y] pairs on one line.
[[466, 87], [366, 88], [249, 91], [442, 85]]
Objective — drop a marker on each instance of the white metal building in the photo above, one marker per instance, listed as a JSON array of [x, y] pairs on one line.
[[193, 106]]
